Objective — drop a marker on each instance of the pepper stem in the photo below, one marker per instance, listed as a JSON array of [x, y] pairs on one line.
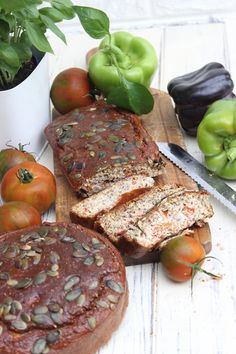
[[24, 175], [230, 147]]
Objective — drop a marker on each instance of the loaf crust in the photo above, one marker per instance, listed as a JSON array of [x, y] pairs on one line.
[[100, 144], [63, 290]]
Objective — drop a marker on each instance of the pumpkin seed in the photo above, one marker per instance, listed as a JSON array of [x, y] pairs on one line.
[[92, 322], [116, 157], [86, 247], [57, 317], [73, 280], [71, 167], [6, 309], [42, 320], [4, 276], [101, 130], [54, 257], [1, 263], [40, 310], [15, 307], [89, 134], [77, 176], [25, 317], [132, 157], [50, 240], [23, 283], [95, 139], [73, 294], [103, 143], [37, 259], [81, 300], [98, 123], [103, 304], [40, 278], [102, 154], [61, 231], [12, 282], [1, 330], [52, 273], [22, 263], [68, 239], [1, 310], [54, 307], [112, 307], [10, 317], [80, 116], [112, 298], [99, 246], [80, 253], [19, 324], [77, 245], [52, 337], [115, 286], [54, 267], [25, 247], [99, 260], [93, 284], [39, 346], [138, 144], [89, 261], [67, 157], [114, 138]]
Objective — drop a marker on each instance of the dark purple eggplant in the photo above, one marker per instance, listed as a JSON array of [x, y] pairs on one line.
[[194, 92]]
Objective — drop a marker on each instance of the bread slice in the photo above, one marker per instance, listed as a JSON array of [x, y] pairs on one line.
[[119, 220], [173, 216], [86, 211]]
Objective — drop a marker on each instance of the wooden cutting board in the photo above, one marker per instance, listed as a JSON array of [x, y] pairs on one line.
[[162, 125]]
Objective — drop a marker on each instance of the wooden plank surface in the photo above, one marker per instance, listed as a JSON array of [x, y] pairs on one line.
[[162, 125], [164, 317]]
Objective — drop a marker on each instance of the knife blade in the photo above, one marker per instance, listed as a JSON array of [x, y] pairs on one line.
[[199, 173]]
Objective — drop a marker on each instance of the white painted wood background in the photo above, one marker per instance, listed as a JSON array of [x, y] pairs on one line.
[[163, 317]]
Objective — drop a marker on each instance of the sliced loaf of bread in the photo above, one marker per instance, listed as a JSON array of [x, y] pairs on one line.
[[118, 221], [87, 211]]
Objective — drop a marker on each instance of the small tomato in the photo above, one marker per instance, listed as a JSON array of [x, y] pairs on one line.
[[17, 215], [12, 156], [178, 251], [29, 182], [71, 89]]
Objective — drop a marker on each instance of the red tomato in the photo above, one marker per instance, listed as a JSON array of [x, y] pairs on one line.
[[178, 250], [71, 89], [29, 182], [11, 157], [17, 215]]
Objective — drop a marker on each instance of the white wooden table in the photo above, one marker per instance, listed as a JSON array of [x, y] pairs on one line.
[[163, 317]]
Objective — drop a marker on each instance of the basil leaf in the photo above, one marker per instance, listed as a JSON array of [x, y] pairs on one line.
[[66, 3], [9, 55], [54, 14], [95, 22], [51, 25], [67, 13], [37, 37], [132, 96]]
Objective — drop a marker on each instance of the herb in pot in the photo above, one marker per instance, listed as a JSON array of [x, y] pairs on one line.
[[23, 26]]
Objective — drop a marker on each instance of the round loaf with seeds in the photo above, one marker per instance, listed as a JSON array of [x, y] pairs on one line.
[[63, 290]]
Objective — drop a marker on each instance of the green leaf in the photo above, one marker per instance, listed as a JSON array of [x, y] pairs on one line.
[[132, 96], [9, 55], [95, 22], [54, 14], [16, 5], [51, 25], [9, 69], [37, 37], [23, 51], [66, 3], [67, 12]]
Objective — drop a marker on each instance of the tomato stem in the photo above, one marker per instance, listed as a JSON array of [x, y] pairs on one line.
[[24, 175]]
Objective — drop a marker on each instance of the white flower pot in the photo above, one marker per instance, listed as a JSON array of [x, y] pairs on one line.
[[25, 110]]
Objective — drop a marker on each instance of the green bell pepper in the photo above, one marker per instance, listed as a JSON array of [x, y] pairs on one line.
[[216, 136], [136, 59]]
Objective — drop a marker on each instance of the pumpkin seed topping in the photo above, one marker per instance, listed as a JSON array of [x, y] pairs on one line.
[[52, 337], [54, 307], [23, 283], [115, 286], [3, 248], [39, 310], [103, 304], [1, 330], [54, 257], [89, 261], [112, 298], [12, 282], [25, 317], [42, 319], [81, 300], [99, 260], [39, 346], [73, 294], [4, 276], [19, 324], [40, 278], [73, 280], [92, 322], [93, 284], [10, 317]]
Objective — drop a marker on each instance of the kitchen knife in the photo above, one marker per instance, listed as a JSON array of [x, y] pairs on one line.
[[208, 180]]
